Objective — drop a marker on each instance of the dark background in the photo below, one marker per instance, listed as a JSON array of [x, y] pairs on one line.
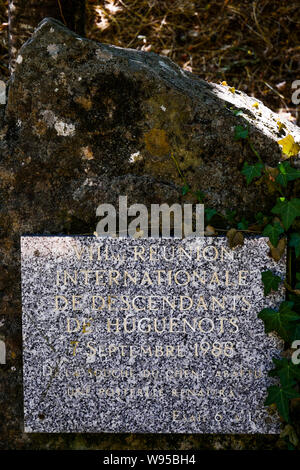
[[253, 45]]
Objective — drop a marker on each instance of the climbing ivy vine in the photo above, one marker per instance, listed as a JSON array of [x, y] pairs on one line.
[[285, 321], [281, 226]]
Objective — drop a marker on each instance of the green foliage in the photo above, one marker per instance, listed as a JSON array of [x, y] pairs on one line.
[[273, 232], [295, 333], [286, 320], [270, 281], [281, 396], [261, 219], [295, 242], [237, 112], [240, 132], [243, 224], [280, 321], [200, 195], [288, 210], [286, 173], [252, 171], [209, 213], [230, 215], [185, 189], [288, 372]]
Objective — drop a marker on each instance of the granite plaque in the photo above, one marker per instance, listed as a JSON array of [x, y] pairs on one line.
[[146, 335]]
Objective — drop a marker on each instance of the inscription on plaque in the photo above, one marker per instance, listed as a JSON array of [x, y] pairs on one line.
[[146, 335]]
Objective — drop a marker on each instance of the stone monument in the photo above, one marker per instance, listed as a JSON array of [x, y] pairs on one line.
[[146, 335], [80, 124]]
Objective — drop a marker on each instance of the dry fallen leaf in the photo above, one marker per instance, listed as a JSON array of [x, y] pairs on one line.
[[209, 230], [272, 172], [277, 252], [235, 238], [290, 432], [289, 146]]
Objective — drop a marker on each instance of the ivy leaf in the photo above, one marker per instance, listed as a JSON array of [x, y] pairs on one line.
[[200, 195], [252, 171], [289, 146], [288, 210], [281, 396], [243, 224], [209, 213], [259, 216], [288, 372], [273, 232], [230, 215], [270, 281], [295, 333], [296, 299], [237, 112], [295, 242], [279, 321], [287, 173], [240, 132], [185, 189]]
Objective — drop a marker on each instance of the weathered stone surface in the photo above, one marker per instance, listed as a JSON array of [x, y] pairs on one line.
[[85, 122], [24, 15], [149, 335], [83, 117]]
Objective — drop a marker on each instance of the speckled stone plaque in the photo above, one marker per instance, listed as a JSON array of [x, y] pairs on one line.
[[146, 335]]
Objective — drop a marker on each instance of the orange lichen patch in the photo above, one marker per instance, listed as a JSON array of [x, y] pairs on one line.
[[157, 143], [40, 128], [6, 176], [84, 101], [87, 153], [6, 245]]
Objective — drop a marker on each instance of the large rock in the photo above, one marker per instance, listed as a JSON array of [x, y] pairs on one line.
[[86, 122]]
